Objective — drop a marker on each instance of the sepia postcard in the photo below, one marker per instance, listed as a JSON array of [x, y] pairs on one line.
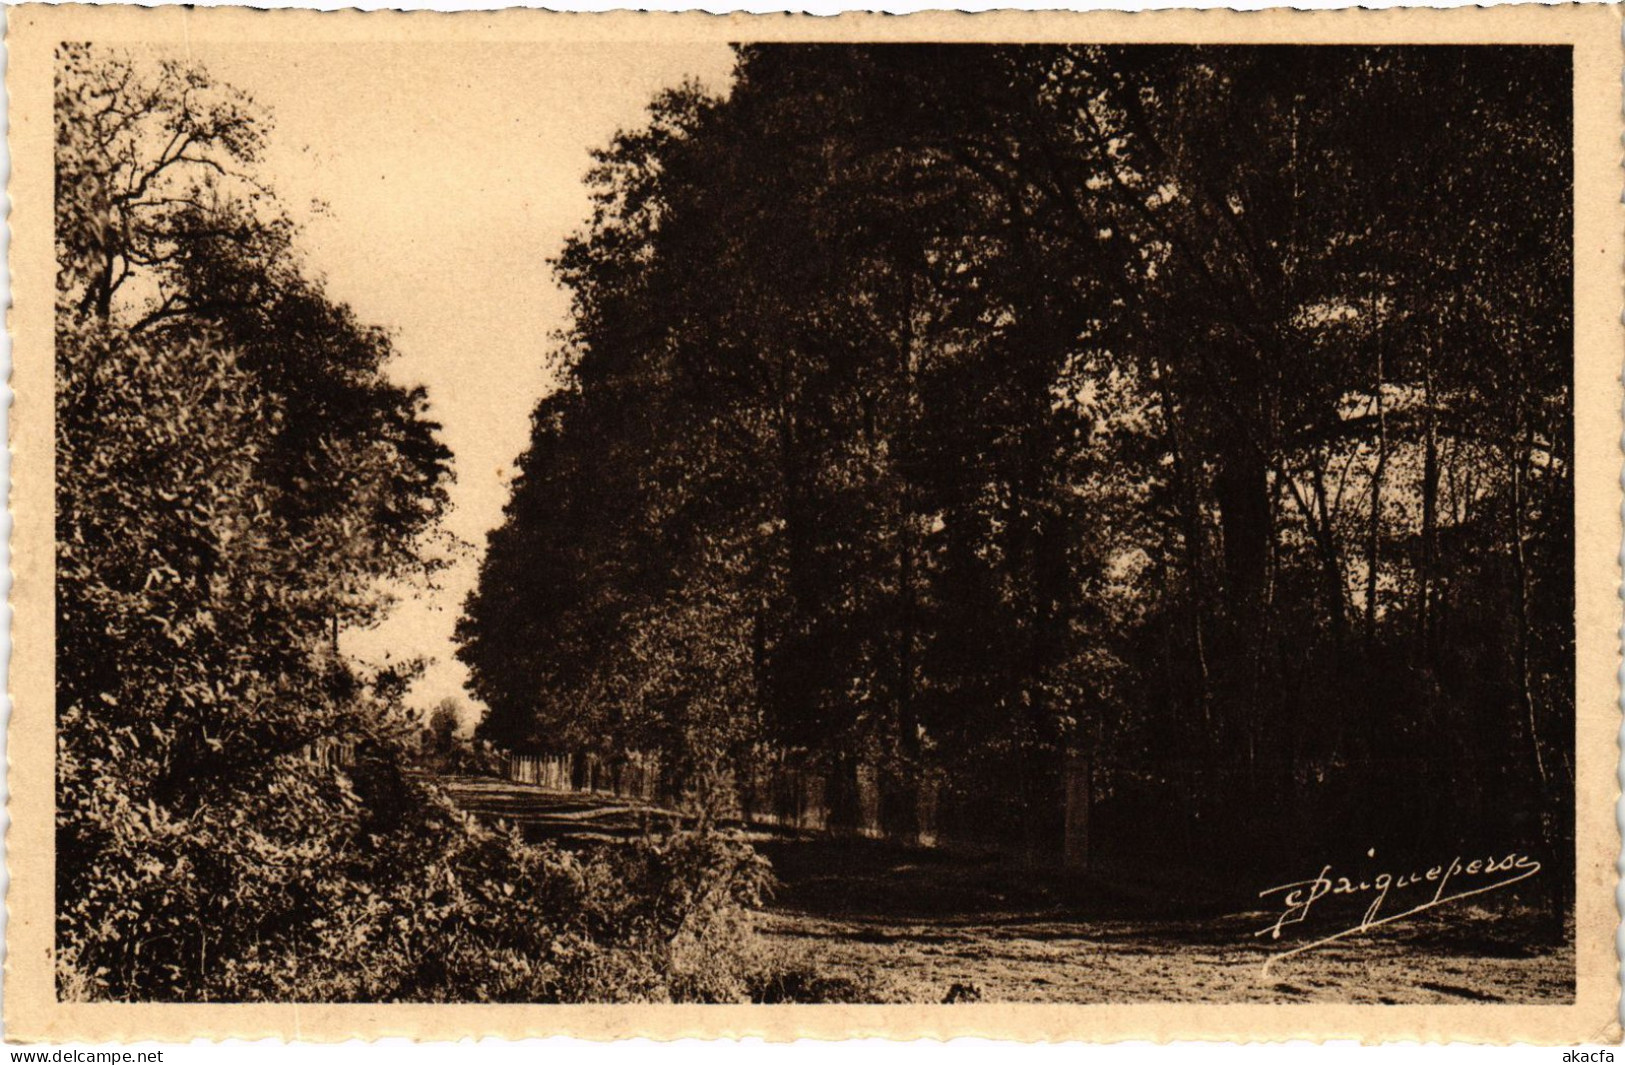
[[1034, 525]]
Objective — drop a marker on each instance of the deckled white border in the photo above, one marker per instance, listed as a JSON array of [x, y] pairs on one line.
[[857, 1052]]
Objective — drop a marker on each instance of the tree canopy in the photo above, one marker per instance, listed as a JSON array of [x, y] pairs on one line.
[[952, 408]]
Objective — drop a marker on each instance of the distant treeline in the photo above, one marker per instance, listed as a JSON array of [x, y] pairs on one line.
[[952, 408]]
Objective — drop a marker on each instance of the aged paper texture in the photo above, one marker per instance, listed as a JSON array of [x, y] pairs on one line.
[[1043, 526]]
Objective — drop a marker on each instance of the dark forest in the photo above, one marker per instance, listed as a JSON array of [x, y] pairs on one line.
[[956, 411]]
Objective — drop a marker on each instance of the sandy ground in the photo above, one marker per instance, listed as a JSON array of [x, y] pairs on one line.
[[1021, 959], [914, 924]]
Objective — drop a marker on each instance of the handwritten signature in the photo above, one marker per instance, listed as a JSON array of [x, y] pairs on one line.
[[1460, 878]]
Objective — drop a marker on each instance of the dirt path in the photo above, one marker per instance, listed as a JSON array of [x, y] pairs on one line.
[[916, 923], [921, 922], [1019, 958]]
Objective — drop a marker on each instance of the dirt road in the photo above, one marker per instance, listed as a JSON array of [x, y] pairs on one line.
[[917, 923]]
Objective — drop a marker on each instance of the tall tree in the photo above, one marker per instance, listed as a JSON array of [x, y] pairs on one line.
[[236, 476]]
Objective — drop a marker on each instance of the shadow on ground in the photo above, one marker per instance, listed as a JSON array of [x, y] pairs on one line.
[[918, 923]]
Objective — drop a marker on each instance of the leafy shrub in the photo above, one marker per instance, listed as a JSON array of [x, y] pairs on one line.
[[675, 910], [237, 481], [367, 885]]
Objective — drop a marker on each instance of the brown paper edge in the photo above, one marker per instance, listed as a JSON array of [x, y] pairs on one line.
[[31, 1012]]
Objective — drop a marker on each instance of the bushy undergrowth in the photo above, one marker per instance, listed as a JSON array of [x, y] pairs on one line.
[[364, 885]]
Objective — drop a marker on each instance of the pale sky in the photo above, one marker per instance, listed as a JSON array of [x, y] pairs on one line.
[[451, 174]]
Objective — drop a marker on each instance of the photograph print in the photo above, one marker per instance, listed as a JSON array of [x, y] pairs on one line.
[[814, 523]]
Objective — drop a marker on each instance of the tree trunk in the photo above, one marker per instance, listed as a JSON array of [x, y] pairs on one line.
[[1242, 488], [1243, 492], [1330, 565], [906, 812], [1430, 518], [1373, 548], [1190, 521], [1520, 556]]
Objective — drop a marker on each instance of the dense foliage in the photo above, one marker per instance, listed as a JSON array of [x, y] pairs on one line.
[[237, 481], [1205, 411]]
